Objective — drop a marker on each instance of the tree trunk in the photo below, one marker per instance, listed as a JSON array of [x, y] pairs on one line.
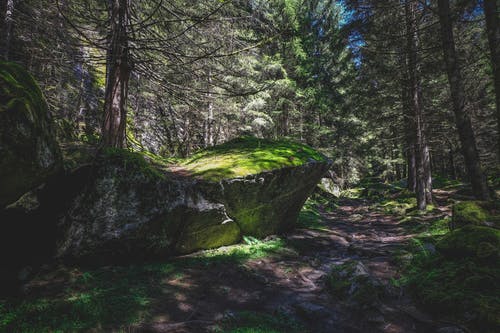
[[493, 32], [462, 119], [209, 139], [427, 174], [118, 71], [8, 22], [410, 145], [422, 160]]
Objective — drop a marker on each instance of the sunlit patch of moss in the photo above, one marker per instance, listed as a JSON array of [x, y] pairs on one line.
[[252, 248], [255, 322], [248, 155]]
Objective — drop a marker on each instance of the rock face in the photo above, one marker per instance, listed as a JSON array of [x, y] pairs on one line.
[[29, 153], [129, 208]]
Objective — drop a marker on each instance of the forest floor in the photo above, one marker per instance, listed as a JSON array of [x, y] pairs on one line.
[[276, 285]]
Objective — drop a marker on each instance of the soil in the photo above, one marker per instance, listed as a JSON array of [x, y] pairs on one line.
[[294, 282]]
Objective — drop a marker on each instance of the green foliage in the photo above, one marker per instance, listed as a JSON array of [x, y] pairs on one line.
[[248, 155], [19, 89]]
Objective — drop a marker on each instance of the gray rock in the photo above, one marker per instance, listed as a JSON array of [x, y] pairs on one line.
[[130, 208]]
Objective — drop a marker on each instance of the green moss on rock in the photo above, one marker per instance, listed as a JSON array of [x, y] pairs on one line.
[[476, 213], [468, 212], [28, 149], [207, 231], [471, 241], [248, 155]]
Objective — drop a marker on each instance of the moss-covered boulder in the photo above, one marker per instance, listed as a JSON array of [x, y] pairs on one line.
[[29, 153], [130, 207], [471, 241], [474, 213]]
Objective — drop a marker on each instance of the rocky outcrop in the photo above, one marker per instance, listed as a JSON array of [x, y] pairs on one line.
[[130, 208], [29, 153]]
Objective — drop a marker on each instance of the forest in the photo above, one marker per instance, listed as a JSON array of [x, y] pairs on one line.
[[258, 166]]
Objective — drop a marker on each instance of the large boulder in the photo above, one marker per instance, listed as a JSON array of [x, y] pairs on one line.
[[471, 241], [475, 213], [131, 208], [29, 153]]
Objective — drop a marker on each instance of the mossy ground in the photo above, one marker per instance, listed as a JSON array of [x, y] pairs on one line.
[[248, 155], [451, 274], [114, 297]]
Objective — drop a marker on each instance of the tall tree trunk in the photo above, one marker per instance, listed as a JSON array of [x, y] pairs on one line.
[[493, 32], [8, 22], [422, 160], [118, 70], [409, 129], [209, 139], [463, 122], [427, 173]]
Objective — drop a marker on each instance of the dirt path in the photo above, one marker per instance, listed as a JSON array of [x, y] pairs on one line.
[[294, 282]]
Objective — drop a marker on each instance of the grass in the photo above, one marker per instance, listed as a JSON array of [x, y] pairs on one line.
[[115, 297], [248, 155]]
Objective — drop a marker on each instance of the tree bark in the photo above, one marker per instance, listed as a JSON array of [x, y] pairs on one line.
[[462, 119], [8, 22], [410, 144], [493, 32], [118, 73], [209, 135], [422, 160]]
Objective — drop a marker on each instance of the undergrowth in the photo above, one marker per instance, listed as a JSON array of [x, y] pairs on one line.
[[108, 298]]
